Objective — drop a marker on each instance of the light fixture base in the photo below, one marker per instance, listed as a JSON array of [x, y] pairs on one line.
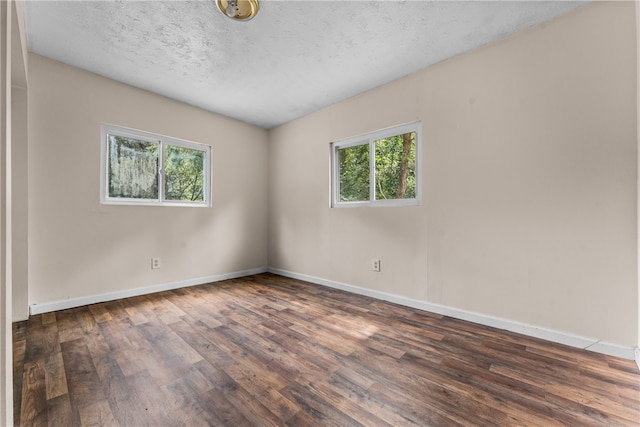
[[244, 9]]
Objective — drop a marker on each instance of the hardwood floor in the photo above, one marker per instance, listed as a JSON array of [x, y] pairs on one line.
[[271, 351]]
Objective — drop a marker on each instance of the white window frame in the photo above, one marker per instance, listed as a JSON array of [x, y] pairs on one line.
[[370, 138], [107, 129]]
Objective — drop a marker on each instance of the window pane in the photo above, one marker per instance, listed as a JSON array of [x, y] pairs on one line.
[[396, 167], [133, 168], [354, 173], [184, 174]]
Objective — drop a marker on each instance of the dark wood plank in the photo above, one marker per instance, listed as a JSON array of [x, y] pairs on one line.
[[59, 412], [19, 331], [156, 406], [83, 382], [34, 402], [270, 351]]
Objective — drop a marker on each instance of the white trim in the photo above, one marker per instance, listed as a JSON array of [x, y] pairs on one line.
[[637, 302], [111, 296], [482, 319], [162, 141], [369, 139]]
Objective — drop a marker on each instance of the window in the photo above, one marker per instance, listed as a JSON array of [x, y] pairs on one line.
[[380, 168], [143, 168]]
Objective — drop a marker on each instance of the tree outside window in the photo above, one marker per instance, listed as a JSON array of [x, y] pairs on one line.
[[143, 168], [377, 169]]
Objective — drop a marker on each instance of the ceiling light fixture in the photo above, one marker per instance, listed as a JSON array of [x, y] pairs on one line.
[[239, 10]]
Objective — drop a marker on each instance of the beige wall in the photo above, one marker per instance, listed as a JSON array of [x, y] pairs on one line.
[[6, 391], [529, 186], [19, 188], [78, 247], [638, 166], [12, 139], [19, 214]]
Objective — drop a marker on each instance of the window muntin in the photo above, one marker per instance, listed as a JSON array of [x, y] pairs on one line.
[[380, 168], [143, 168]]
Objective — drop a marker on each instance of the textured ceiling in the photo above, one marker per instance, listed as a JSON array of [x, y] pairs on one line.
[[295, 57]]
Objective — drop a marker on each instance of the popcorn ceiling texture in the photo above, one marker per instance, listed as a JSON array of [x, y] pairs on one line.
[[294, 58]]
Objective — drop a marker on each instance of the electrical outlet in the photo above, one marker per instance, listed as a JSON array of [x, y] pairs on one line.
[[155, 263], [376, 265]]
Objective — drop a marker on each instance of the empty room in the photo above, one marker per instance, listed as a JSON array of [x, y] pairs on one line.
[[316, 213]]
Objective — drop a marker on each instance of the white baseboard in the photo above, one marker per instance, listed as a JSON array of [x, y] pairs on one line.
[[111, 296], [591, 344], [482, 319]]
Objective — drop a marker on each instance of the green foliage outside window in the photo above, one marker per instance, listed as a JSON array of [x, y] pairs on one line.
[[133, 171], [354, 173], [133, 168], [184, 174], [394, 169]]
